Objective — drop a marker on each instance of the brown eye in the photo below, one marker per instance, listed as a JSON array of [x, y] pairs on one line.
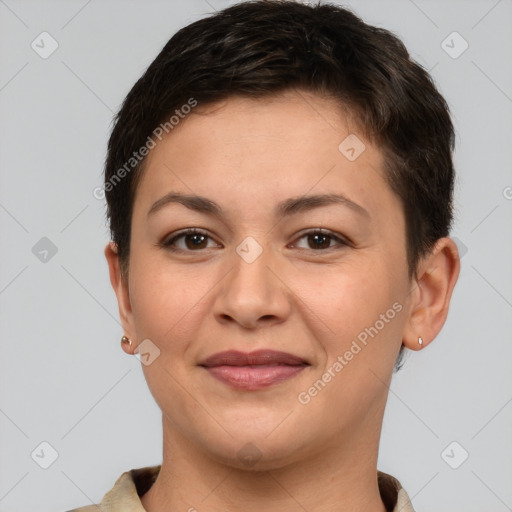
[[193, 240], [321, 240]]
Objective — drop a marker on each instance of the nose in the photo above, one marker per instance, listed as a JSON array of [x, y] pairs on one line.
[[253, 294]]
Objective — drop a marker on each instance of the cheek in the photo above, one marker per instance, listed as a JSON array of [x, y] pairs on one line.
[[164, 299], [168, 307], [358, 306]]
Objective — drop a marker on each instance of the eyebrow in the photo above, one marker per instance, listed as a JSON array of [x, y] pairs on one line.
[[291, 206]]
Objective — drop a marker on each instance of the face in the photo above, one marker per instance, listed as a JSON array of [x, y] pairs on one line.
[[267, 268]]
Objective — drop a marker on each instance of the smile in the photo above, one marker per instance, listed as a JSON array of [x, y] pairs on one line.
[[254, 370]]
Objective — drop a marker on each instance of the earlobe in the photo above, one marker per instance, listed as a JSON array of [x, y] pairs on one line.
[[431, 294], [120, 287], [127, 345]]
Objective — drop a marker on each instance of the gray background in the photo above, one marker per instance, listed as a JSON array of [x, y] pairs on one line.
[[64, 379]]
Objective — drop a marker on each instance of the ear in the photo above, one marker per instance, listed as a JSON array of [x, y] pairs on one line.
[[431, 291], [121, 289]]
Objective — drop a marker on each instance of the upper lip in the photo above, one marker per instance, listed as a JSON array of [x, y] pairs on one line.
[[258, 357]]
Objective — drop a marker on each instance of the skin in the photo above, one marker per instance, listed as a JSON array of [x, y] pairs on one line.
[[298, 297]]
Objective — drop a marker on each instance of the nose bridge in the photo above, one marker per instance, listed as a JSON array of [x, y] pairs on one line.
[[251, 265], [251, 291]]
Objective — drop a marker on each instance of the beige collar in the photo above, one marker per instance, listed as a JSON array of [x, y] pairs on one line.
[[125, 495]]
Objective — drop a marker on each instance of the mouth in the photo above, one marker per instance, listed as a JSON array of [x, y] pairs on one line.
[[253, 370]]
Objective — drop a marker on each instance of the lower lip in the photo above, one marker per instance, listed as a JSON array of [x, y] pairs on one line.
[[254, 377]]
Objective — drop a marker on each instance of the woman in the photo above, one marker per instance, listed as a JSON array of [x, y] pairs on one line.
[[279, 187]]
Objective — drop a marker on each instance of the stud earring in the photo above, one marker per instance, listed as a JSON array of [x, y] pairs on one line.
[[420, 341], [124, 339]]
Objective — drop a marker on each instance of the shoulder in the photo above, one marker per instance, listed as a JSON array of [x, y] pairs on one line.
[[126, 491], [393, 495]]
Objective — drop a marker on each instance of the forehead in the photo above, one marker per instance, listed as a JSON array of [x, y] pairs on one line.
[[266, 148]]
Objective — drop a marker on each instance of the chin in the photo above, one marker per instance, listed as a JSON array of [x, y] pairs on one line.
[[254, 456], [253, 448]]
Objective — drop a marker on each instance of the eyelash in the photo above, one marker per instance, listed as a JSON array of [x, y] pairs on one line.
[[168, 244]]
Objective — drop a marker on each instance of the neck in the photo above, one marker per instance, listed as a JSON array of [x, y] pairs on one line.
[[340, 477]]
